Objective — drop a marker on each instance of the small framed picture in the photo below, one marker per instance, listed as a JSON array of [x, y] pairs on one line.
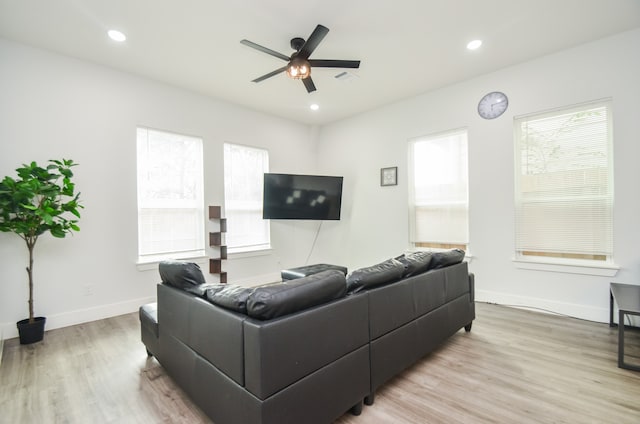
[[389, 176]]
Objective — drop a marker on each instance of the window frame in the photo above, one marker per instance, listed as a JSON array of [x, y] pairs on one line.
[[563, 261], [196, 204], [439, 245], [258, 247]]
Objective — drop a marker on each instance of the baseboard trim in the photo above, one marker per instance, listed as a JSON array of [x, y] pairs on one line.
[[81, 316], [590, 313]]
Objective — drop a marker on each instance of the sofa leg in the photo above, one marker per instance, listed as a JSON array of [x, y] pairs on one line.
[[356, 409], [371, 397], [467, 327]]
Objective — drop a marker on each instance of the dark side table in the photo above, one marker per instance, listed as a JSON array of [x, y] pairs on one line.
[[627, 296]]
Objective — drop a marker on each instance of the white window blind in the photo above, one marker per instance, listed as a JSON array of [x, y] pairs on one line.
[[170, 195], [438, 189], [244, 169], [564, 183]]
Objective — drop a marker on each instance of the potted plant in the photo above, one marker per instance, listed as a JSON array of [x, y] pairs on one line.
[[38, 201]]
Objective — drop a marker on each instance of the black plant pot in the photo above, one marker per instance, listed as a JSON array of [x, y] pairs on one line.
[[31, 332]]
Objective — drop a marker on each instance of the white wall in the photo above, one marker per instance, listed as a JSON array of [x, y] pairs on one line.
[[53, 107], [375, 219]]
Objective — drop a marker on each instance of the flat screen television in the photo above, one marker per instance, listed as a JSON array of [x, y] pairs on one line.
[[289, 196]]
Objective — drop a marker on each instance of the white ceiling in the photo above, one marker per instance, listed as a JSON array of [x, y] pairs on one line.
[[407, 47]]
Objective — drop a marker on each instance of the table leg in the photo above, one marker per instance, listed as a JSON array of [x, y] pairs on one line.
[[620, 339], [610, 308]]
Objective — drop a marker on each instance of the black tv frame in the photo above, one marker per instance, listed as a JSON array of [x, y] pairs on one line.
[[302, 197]]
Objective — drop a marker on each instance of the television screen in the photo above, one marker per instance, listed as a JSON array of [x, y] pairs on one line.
[[288, 196]]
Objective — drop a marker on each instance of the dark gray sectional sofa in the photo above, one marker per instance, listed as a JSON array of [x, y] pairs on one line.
[[410, 318], [307, 350]]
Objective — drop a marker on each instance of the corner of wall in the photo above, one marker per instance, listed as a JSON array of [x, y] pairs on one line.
[[1, 342]]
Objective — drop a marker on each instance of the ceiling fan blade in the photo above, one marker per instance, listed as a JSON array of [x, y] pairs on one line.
[[264, 49], [309, 85], [270, 74], [325, 63], [312, 42]]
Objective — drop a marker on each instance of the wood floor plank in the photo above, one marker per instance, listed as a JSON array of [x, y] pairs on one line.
[[515, 366]]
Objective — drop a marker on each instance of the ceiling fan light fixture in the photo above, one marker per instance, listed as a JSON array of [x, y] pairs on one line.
[[298, 64], [299, 69]]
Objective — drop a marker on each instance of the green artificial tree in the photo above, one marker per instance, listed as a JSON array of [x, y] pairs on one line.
[[38, 201]]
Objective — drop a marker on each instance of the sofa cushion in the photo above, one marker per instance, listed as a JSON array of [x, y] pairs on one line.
[[274, 300], [385, 272], [415, 263], [201, 289], [233, 297], [448, 258], [182, 275], [303, 271]]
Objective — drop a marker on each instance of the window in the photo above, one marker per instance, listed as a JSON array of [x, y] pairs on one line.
[[564, 184], [438, 191], [170, 195], [244, 169]]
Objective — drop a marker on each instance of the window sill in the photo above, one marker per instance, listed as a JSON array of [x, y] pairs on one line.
[[241, 254], [568, 266], [151, 262]]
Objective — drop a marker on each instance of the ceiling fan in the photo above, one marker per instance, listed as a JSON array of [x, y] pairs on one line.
[[298, 64]]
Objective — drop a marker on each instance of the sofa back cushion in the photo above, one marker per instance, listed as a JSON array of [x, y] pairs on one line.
[[275, 300], [415, 263], [229, 296], [447, 258], [418, 262], [380, 274], [181, 275]]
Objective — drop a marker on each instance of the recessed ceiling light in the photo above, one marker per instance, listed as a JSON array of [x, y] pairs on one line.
[[116, 35], [314, 107], [473, 45]]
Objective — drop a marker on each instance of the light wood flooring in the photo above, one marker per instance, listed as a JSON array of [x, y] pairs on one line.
[[514, 366]]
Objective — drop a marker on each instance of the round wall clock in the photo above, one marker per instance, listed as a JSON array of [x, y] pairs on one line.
[[493, 105]]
